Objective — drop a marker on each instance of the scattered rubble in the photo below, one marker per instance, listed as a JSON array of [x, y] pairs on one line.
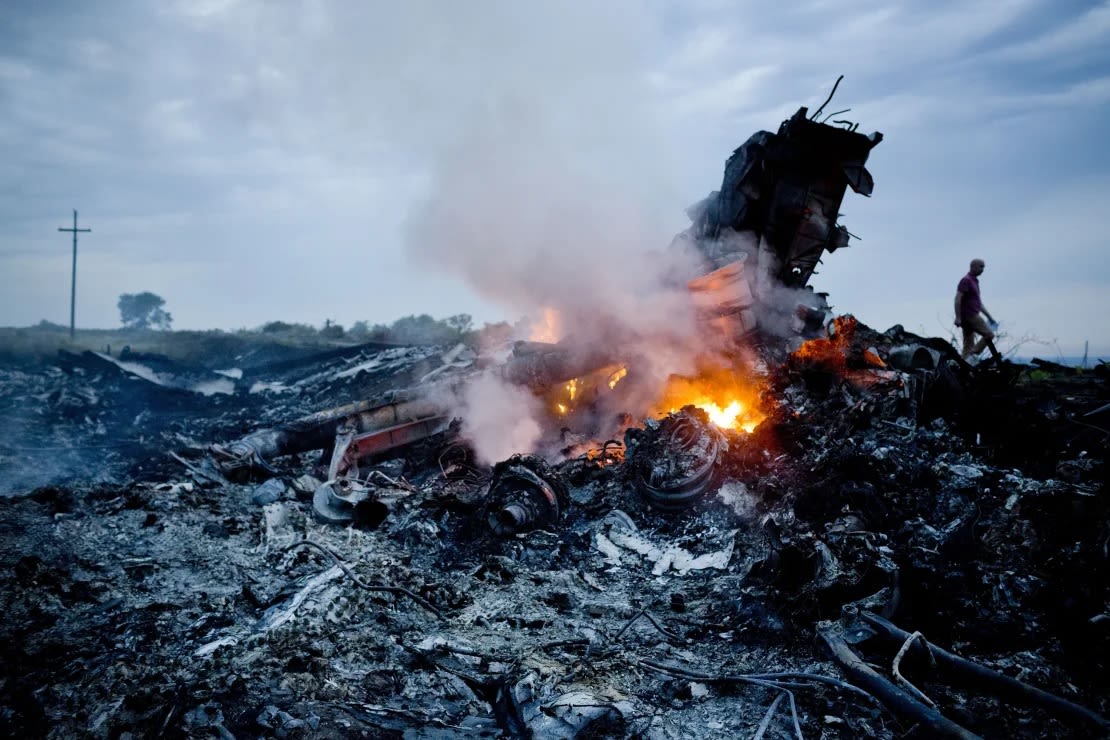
[[563, 600], [877, 540]]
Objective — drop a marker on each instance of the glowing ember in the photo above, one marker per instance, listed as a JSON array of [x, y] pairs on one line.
[[547, 328], [617, 377], [563, 399], [606, 455]]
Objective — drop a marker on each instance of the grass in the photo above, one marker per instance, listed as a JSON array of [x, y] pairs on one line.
[[206, 348]]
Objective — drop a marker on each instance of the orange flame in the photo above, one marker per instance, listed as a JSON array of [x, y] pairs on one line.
[[564, 397], [730, 400], [831, 351], [605, 456]]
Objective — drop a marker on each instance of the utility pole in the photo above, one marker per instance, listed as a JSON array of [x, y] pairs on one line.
[[73, 281]]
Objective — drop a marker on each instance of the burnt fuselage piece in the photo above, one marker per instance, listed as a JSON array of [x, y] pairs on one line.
[[787, 188]]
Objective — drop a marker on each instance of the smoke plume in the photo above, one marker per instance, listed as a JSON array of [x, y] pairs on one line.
[[545, 195]]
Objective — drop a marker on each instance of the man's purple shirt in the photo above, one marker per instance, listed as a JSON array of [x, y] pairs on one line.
[[971, 304]]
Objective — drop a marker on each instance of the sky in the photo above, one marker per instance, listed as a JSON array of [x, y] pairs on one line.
[[350, 160]]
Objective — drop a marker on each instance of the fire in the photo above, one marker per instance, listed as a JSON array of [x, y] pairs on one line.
[[730, 401], [565, 397], [606, 455], [830, 351], [728, 397], [725, 417], [547, 328]]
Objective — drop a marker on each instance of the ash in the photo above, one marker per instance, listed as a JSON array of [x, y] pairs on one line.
[[148, 595]]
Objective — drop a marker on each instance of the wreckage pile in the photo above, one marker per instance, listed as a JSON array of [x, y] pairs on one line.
[[824, 531], [698, 582]]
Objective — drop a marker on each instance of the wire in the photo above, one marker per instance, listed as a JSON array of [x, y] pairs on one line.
[[833, 92], [362, 584]]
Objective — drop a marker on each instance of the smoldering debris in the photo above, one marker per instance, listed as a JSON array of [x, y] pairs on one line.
[[786, 524], [558, 599]]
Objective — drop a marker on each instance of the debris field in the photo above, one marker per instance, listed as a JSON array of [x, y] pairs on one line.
[[151, 597], [824, 531]]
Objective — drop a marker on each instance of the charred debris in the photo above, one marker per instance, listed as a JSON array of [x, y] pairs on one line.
[[843, 533]]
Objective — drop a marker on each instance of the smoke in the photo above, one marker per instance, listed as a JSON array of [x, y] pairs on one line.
[[542, 178], [776, 305], [546, 194], [534, 208], [498, 418]]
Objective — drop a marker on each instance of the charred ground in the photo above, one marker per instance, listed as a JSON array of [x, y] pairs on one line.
[[147, 596]]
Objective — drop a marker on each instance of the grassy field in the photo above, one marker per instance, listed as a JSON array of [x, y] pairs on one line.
[[206, 348]]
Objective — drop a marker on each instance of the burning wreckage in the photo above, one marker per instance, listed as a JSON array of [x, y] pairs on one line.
[[823, 531]]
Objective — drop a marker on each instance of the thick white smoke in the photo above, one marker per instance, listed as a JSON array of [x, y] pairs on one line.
[[545, 193], [498, 418], [544, 182]]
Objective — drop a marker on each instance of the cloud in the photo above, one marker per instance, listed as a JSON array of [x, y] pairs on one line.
[[292, 141], [1069, 39], [172, 121]]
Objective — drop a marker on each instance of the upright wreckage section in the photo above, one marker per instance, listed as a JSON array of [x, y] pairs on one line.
[[774, 217]]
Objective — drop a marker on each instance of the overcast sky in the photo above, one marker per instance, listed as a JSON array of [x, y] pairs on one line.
[[251, 161]]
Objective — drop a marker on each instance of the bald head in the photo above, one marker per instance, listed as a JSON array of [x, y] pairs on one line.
[[977, 266]]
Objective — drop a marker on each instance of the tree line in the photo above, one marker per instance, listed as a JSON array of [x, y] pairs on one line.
[[147, 311], [422, 329]]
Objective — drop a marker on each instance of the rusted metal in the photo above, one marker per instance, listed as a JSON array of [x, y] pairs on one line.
[[350, 447], [247, 458]]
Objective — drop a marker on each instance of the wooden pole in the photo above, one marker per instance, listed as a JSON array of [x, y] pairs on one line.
[[73, 278]]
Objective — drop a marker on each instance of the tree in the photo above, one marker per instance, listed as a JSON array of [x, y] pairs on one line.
[[359, 330], [422, 329], [143, 311], [460, 322]]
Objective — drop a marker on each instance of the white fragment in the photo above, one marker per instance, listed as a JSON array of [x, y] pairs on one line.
[[674, 557], [211, 647], [966, 471], [736, 496], [606, 547]]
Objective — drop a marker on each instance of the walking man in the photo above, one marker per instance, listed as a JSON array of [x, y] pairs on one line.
[[970, 312]]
